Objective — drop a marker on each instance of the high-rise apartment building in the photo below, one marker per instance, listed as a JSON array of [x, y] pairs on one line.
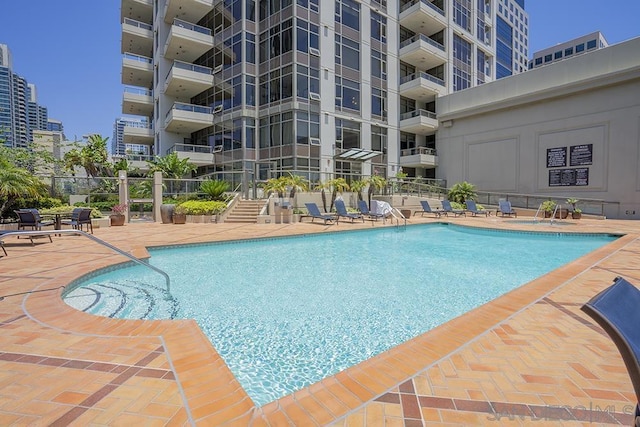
[[20, 113], [323, 88], [122, 145]]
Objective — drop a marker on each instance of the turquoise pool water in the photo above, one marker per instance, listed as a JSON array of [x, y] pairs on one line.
[[285, 313]]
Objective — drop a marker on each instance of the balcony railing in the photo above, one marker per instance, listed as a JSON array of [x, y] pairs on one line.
[[190, 67], [191, 148], [426, 2], [423, 38], [138, 90], [138, 58], [190, 107], [138, 24], [422, 75], [416, 113], [419, 150], [193, 27]]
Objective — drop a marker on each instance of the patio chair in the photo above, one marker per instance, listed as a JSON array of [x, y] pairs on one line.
[[447, 209], [31, 218], [79, 218], [426, 208], [504, 207], [341, 209], [364, 210], [616, 310], [73, 221], [314, 213], [473, 208]]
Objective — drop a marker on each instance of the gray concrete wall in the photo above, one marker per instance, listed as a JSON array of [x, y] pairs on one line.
[[498, 136]]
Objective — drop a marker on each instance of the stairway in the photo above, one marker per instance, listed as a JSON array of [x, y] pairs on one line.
[[245, 212]]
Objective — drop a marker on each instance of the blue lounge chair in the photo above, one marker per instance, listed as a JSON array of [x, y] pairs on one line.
[[341, 209], [426, 208], [504, 207], [364, 210], [314, 212], [471, 207], [447, 209], [616, 310]]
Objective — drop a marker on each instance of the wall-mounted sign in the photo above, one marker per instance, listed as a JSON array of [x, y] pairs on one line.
[[580, 155], [569, 177], [556, 157]]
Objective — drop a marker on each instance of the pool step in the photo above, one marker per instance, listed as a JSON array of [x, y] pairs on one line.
[[123, 300]]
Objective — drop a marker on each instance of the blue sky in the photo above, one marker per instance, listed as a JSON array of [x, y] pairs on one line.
[[70, 49]]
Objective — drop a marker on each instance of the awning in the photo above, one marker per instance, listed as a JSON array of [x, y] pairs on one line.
[[357, 154]]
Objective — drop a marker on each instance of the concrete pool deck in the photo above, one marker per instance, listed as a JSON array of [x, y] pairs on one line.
[[530, 355]]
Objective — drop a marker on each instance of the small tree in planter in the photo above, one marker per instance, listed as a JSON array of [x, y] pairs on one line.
[[548, 206], [179, 215], [576, 213]]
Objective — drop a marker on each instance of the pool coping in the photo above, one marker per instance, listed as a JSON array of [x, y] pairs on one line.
[[213, 395]]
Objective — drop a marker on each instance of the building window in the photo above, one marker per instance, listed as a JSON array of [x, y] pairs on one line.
[[307, 127], [347, 94], [307, 36], [379, 139], [378, 27], [591, 44], [547, 58], [379, 103], [568, 51], [348, 13], [557, 55], [347, 52], [462, 13], [307, 81], [461, 63], [347, 134], [378, 64], [580, 48]]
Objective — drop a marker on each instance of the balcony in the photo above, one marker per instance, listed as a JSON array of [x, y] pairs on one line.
[[186, 80], [423, 17], [188, 118], [419, 157], [140, 10], [187, 10], [137, 70], [142, 135], [422, 52], [137, 161], [137, 38], [137, 101], [187, 42], [199, 155], [422, 87], [420, 122]]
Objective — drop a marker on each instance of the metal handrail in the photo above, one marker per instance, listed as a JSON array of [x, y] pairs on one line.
[[398, 215], [95, 239]]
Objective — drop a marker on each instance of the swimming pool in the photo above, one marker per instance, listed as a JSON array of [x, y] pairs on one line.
[[285, 313]]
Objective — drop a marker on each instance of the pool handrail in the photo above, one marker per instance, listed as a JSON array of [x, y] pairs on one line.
[[95, 239]]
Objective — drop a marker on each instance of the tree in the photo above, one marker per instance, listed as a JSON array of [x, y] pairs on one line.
[[275, 185], [92, 157], [462, 191], [17, 182], [337, 185], [171, 166], [296, 183], [376, 183], [358, 186]]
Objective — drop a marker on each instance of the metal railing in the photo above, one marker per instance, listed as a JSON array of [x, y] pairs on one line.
[[138, 24], [95, 239], [423, 38], [425, 2], [421, 75], [193, 27], [418, 113]]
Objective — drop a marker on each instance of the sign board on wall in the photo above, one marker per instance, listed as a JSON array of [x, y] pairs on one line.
[[556, 157], [568, 177], [579, 155]]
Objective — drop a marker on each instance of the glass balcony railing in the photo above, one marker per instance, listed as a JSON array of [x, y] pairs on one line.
[[419, 150], [426, 2], [138, 24], [421, 75], [193, 27], [423, 38], [418, 113], [138, 58], [138, 90], [191, 148], [190, 67], [190, 108]]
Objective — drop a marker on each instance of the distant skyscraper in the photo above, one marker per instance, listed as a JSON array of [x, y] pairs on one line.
[[20, 113], [121, 144], [331, 88]]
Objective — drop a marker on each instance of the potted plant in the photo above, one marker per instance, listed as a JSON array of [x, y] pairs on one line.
[[548, 206], [179, 215], [576, 213], [117, 214]]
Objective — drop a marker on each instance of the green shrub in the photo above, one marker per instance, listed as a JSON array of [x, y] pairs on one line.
[[201, 207], [214, 189]]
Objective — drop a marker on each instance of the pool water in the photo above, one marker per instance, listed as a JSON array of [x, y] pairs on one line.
[[285, 313]]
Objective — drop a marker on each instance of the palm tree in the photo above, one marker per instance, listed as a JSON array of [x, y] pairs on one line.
[[322, 187], [297, 183], [93, 157], [462, 191], [358, 186], [171, 166], [337, 185], [275, 185], [17, 182], [376, 183]]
